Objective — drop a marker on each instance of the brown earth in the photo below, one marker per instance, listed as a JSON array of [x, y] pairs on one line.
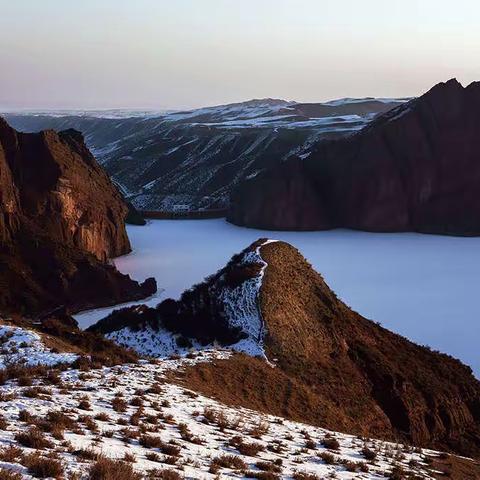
[[455, 468], [336, 369], [243, 381], [60, 220], [414, 168]]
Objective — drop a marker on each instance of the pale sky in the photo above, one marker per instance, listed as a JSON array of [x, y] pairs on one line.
[[94, 54]]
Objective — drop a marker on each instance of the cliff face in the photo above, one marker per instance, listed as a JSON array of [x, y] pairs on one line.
[[60, 220], [333, 367], [414, 168], [54, 181]]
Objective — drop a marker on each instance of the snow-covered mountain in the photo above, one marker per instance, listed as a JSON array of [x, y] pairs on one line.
[[190, 160]]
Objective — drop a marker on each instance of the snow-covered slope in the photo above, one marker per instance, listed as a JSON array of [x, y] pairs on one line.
[[190, 160], [231, 296], [69, 425], [269, 302], [25, 347]]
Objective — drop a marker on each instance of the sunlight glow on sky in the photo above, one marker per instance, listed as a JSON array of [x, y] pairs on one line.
[[188, 53]]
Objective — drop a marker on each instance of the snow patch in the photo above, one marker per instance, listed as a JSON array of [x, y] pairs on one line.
[[242, 306], [18, 345], [171, 406]]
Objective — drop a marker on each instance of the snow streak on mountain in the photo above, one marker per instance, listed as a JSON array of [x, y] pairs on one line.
[[190, 160]]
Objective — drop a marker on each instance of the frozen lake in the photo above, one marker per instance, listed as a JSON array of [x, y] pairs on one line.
[[424, 287]]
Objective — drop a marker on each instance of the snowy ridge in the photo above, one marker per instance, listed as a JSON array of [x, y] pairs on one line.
[[241, 310], [18, 345], [349, 100]]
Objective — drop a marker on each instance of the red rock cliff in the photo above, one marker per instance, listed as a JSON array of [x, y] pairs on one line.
[[61, 218]]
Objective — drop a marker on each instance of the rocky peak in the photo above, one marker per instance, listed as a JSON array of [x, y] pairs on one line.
[[61, 187]]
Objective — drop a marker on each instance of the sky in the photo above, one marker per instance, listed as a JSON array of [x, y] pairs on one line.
[[169, 54]]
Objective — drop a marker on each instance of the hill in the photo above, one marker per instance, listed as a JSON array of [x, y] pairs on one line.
[[309, 357]]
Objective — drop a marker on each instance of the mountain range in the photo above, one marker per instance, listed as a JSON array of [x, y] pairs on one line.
[[190, 161]]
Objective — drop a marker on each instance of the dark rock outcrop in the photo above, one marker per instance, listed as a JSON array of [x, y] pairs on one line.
[[134, 217], [414, 168], [61, 219]]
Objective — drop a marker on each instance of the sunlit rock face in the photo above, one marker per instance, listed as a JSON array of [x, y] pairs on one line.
[[52, 179], [60, 220]]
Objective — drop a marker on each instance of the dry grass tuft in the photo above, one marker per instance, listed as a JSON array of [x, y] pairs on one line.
[[331, 443], [227, 461], [165, 474], [298, 475], [43, 467], [107, 469], [33, 438], [9, 475], [11, 454], [119, 404]]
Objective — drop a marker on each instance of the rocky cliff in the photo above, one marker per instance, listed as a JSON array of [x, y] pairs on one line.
[[332, 367], [60, 220], [414, 168]]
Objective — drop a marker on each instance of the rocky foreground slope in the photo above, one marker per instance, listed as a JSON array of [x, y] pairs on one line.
[[91, 422], [414, 168], [190, 160], [310, 357], [61, 219]]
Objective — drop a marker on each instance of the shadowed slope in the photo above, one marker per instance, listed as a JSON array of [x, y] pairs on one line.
[[414, 168]]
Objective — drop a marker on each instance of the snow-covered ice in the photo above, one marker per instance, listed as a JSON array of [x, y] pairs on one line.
[[422, 286]]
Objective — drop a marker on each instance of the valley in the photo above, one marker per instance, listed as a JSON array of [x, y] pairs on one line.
[[239, 240]]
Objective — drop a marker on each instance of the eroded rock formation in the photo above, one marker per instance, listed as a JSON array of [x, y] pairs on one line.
[[60, 220]]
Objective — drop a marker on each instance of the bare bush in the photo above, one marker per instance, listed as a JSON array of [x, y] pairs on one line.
[[107, 469]]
